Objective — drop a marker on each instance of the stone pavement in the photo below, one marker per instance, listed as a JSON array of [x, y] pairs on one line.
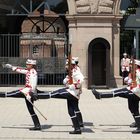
[[106, 119]]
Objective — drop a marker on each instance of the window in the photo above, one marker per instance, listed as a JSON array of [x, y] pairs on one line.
[[35, 49]]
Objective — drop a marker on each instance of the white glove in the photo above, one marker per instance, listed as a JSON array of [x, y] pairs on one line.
[[72, 87], [14, 68], [129, 81], [9, 66], [28, 97], [65, 81], [126, 79]]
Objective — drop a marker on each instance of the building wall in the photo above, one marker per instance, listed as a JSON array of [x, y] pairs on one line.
[[90, 19]]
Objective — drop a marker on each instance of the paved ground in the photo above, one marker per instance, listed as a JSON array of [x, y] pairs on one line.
[[106, 119]]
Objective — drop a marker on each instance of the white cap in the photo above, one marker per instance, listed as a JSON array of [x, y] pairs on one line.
[[75, 59], [137, 62], [124, 54], [31, 61], [72, 61]]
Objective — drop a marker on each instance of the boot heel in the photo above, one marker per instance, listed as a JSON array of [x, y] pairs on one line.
[[76, 126], [37, 125], [137, 119], [75, 132], [35, 128]]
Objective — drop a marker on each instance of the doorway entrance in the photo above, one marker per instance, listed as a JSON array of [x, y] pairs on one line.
[[98, 61]]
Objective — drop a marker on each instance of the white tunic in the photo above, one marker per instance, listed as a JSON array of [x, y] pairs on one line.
[[136, 90], [31, 79], [76, 88], [125, 64]]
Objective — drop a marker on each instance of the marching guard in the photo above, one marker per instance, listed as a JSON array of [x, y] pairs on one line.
[[71, 93], [28, 92], [132, 93]]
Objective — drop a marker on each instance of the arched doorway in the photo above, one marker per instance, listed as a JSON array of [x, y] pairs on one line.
[[98, 62]]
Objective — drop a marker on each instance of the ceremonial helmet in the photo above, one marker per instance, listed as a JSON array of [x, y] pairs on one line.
[[73, 62], [76, 59], [124, 54], [31, 61]]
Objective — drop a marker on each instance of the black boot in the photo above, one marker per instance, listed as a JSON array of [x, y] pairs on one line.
[[134, 124], [99, 95], [37, 125], [80, 119], [137, 131], [76, 126], [3, 94], [96, 94]]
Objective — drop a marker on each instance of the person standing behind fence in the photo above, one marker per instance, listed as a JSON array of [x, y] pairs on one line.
[[125, 66], [28, 92]]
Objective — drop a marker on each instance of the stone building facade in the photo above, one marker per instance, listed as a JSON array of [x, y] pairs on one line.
[[94, 31]]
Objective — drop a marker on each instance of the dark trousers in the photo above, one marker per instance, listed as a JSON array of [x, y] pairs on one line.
[[133, 100], [72, 102], [125, 74], [133, 104], [18, 94], [122, 92]]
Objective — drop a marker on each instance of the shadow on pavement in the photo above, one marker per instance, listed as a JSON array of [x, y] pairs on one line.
[[113, 125]]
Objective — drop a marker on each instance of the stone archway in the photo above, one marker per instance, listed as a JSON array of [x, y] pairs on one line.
[[98, 63]]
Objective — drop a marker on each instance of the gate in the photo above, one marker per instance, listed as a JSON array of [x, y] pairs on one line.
[[48, 50]]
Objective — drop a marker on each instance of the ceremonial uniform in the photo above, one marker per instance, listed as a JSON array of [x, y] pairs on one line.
[[28, 90], [71, 93], [131, 92], [125, 66]]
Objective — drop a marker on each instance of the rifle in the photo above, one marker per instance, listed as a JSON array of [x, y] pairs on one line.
[[69, 64], [133, 73]]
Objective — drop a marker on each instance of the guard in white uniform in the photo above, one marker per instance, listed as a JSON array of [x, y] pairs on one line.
[[125, 68], [71, 93], [132, 93], [78, 112], [29, 90]]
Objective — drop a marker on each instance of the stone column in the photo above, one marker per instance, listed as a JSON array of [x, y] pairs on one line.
[[116, 79], [71, 7]]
